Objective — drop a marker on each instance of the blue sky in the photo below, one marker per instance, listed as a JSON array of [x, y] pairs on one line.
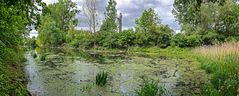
[[131, 10]]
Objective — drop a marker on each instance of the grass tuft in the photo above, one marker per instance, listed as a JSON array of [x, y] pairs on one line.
[[101, 78], [150, 88]]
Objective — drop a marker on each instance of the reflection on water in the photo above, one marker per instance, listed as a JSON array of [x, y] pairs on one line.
[[72, 72], [35, 85]]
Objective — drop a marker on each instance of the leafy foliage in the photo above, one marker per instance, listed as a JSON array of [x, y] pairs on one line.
[[212, 21], [109, 24], [150, 31], [15, 15], [55, 22], [147, 20]]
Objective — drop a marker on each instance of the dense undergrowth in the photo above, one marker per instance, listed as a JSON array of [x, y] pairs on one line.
[[12, 75], [15, 17]]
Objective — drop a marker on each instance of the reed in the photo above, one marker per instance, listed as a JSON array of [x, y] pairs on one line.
[[223, 62]]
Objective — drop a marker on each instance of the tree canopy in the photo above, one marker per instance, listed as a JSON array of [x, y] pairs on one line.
[[109, 23], [56, 22]]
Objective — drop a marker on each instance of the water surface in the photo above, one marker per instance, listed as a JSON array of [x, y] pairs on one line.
[[72, 73]]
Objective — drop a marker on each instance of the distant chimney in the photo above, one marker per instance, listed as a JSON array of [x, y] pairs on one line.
[[120, 22]]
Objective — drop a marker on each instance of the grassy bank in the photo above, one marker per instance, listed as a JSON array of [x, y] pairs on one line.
[[222, 61]]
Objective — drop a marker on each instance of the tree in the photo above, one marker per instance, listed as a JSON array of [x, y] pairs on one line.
[[15, 15], [56, 22], [49, 34], [188, 12], [213, 20], [150, 32], [148, 19], [109, 23], [90, 11]]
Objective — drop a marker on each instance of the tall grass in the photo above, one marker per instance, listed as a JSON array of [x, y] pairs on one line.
[[223, 62], [219, 50]]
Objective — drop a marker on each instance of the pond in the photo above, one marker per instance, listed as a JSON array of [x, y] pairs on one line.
[[72, 73]]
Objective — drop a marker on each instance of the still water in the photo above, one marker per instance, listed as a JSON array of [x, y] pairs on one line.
[[72, 73]]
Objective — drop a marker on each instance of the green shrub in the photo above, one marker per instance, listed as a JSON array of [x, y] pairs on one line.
[[101, 78], [150, 88]]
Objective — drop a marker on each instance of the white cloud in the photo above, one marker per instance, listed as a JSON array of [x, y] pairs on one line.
[[50, 1], [33, 33]]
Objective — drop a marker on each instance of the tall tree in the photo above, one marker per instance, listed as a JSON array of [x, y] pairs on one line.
[[148, 19], [150, 31], [56, 22], [90, 11], [109, 23]]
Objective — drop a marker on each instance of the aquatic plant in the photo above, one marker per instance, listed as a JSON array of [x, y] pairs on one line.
[[150, 88], [43, 57], [223, 62], [101, 78]]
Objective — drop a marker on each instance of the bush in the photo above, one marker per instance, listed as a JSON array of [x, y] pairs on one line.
[[125, 39], [101, 78], [150, 88], [182, 40]]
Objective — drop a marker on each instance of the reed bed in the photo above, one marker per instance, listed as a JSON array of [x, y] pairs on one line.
[[222, 61], [219, 50]]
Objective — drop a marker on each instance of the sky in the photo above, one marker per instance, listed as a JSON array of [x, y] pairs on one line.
[[130, 9]]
